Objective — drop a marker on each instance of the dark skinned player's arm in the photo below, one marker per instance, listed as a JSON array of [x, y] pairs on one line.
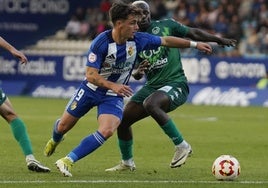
[[201, 35]]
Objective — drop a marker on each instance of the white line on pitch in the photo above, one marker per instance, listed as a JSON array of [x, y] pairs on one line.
[[133, 181]]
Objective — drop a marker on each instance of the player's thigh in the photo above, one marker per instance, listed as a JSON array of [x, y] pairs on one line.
[[6, 110], [177, 94], [142, 94], [108, 124], [111, 105], [133, 112]]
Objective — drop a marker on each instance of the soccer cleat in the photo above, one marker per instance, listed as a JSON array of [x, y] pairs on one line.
[[180, 156], [36, 166], [121, 167], [51, 147], [64, 165]]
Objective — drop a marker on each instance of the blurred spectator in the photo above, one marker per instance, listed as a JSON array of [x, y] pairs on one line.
[[214, 10], [244, 9], [234, 29], [202, 18], [252, 41], [180, 14], [93, 17], [102, 26], [263, 36], [159, 10], [104, 8], [192, 15], [262, 15], [80, 13], [221, 26], [72, 28], [84, 30]]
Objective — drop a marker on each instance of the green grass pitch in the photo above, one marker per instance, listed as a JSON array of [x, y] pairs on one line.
[[211, 130]]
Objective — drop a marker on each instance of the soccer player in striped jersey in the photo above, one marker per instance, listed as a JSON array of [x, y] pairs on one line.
[[165, 89], [111, 59]]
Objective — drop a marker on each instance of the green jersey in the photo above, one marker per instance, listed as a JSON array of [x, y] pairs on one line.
[[165, 63]]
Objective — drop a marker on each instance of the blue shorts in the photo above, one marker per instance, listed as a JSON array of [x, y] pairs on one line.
[[85, 99]]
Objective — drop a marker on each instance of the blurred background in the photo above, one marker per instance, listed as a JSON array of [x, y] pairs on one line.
[[56, 34]]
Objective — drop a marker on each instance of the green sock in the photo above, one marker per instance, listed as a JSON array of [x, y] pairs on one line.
[[126, 149], [173, 133], [20, 134]]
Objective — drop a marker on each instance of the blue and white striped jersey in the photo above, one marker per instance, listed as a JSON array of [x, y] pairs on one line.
[[116, 62]]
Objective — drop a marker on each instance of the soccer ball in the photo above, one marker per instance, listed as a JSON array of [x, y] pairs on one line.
[[226, 167]]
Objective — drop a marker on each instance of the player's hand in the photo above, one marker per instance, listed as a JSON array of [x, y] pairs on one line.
[[122, 90], [140, 71], [227, 42], [204, 47], [22, 58]]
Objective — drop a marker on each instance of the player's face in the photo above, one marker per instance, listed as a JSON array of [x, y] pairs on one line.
[[129, 26], [145, 21]]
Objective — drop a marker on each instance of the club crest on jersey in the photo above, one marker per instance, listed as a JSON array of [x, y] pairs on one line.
[[92, 57], [130, 51], [73, 105], [155, 30]]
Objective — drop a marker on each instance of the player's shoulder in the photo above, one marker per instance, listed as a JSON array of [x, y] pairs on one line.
[[102, 39], [138, 35], [164, 21], [104, 35], [169, 23], [144, 38]]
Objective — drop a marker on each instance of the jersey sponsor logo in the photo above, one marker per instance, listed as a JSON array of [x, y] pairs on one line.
[[146, 54], [160, 63], [92, 57], [114, 70]]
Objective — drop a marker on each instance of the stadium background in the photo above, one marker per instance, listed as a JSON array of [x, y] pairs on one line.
[[56, 61]]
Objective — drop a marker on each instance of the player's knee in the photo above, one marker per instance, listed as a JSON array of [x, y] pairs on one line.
[[107, 133], [149, 106], [10, 116]]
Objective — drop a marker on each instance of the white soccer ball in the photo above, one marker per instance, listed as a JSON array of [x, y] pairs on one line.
[[226, 167]]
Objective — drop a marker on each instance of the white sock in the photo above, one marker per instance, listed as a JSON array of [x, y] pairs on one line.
[[30, 157], [129, 162], [69, 158], [183, 144]]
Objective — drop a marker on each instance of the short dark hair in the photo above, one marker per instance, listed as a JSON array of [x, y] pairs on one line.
[[121, 11]]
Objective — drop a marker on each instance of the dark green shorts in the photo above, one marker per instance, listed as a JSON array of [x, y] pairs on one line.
[[177, 92], [2, 97]]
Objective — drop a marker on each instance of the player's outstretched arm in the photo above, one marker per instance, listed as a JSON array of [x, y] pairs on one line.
[[201, 35], [4, 44], [176, 42]]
